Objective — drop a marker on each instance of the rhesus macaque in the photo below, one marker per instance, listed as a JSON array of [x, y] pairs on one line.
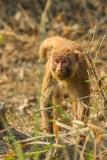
[[66, 70]]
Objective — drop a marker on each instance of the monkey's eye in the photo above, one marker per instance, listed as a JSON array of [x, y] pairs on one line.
[[56, 60], [65, 61]]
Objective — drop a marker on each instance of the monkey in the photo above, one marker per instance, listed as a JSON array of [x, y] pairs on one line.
[[66, 70]]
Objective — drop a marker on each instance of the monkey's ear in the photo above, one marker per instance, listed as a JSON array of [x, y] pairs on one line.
[[76, 56]]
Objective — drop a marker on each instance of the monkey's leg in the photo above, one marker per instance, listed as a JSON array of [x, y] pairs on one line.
[[46, 116], [79, 110], [56, 113], [46, 103], [85, 102], [74, 110]]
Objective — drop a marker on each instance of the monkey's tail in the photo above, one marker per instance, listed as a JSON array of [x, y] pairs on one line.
[[47, 46], [44, 49], [42, 52]]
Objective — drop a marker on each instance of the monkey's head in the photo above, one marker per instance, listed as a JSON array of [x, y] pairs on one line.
[[64, 61]]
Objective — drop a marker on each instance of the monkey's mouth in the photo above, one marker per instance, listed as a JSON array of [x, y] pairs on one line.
[[61, 77]]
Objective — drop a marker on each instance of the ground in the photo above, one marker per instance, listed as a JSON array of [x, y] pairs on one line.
[[23, 26]]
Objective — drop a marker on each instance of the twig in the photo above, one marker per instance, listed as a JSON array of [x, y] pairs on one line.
[[84, 3], [93, 36], [43, 19], [99, 81], [93, 68], [97, 146], [13, 34], [23, 11], [105, 34], [84, 147]]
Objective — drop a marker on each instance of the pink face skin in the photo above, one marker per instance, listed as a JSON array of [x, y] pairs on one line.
[[65, 66], [61, 63]]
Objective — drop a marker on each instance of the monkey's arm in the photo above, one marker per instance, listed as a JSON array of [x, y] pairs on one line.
[[83, 89], [46, 103]]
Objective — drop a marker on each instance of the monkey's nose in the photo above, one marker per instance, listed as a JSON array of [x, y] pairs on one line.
[[60, 70]]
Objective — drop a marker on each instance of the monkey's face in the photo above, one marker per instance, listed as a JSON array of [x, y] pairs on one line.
[[63, 65]]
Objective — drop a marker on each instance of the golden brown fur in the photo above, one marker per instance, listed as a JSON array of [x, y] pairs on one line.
[[66, 69]]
